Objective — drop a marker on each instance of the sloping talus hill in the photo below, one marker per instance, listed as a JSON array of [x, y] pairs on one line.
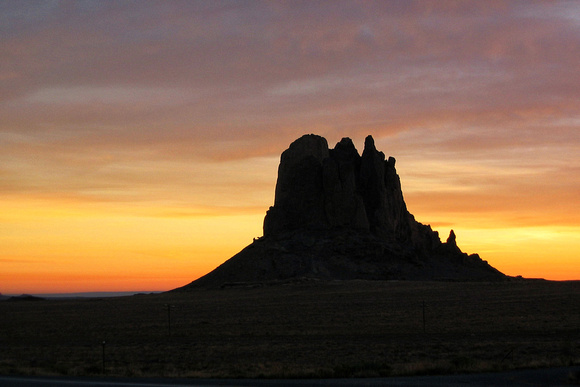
[[339, 215]]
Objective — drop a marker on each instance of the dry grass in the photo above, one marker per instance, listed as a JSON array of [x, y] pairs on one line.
[[336, 329]]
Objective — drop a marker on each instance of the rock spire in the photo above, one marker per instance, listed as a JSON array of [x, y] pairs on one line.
[[341, 215]]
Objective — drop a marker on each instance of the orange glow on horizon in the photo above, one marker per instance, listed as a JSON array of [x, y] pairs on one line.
[[61, 248], [142, 152], [53, 248]]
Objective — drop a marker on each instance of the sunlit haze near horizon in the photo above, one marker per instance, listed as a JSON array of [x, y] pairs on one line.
[[140, 140]]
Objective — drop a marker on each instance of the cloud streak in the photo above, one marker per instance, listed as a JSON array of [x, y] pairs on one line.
[[247, 70]]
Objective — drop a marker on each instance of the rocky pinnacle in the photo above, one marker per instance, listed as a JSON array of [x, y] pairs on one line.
[[340, 215]]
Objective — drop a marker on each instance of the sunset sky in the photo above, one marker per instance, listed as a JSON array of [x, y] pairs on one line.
[[140, 140]]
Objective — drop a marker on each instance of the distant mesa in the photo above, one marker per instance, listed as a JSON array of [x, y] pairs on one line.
[[338, 215]]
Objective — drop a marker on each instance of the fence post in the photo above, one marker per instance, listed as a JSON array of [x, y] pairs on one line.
[[424, 330], [103, 356], [169, 306]]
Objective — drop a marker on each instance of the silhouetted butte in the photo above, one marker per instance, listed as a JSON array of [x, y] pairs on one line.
[[338, 215]]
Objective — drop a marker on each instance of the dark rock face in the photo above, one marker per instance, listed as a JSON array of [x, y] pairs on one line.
[[323, 188], [317, 188], [299, 200], [341, 215]]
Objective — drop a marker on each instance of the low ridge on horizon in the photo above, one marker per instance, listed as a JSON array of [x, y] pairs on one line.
[[338, 215]]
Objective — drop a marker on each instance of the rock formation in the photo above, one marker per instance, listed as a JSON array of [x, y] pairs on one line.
[[341, 215]]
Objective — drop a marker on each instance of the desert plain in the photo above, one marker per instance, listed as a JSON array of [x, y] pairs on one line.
[[298, 329]]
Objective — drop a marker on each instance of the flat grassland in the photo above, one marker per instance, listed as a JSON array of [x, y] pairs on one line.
[[308, 329]]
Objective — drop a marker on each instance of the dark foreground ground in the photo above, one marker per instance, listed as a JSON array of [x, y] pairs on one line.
[[300, 330], [542, 377]]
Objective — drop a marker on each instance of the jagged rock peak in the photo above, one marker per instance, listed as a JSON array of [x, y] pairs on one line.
[[370, 144], [341, 215], [325, 188], [451, 239]]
